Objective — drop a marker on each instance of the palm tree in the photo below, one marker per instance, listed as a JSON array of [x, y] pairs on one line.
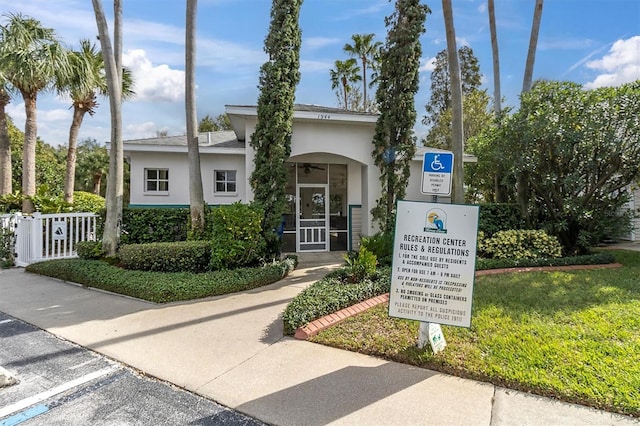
[[86, 81], [343, 75], [366, 51], [196, 196], [457, 129], [112, 56], [31, 57]]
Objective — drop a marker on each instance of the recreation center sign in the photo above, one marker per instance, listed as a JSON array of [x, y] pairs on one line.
[[434, 256]]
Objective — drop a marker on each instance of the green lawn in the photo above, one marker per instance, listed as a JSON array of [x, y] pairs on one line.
[[571, 335]]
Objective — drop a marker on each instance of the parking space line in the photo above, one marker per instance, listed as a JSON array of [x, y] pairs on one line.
[[25, 415], [6, 321], [35, 399]]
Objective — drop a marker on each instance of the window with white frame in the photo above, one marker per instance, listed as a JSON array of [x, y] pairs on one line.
[[156, 180], [224, 181]]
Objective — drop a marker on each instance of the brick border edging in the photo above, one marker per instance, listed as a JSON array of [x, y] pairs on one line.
[[322, 323]]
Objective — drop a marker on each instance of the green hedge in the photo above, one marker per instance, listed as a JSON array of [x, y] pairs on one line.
[[237, 236], [589, 259], [154, 225], [162, 287], [331, 294], [180, 256]]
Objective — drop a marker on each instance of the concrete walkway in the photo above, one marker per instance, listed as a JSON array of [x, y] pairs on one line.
[[231, 349]]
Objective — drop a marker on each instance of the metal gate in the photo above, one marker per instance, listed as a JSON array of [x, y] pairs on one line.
[[49, 236]]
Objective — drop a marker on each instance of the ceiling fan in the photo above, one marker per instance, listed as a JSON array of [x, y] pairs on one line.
[[308, 167]]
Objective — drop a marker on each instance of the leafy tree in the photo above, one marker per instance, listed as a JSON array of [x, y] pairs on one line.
[[367, 51], [112, 57], [580, 149], [93, 164], [196, 193], [210, 124], [343, 76], [440, 100], [394, 143], [271, 140], [31, 58], [475, 107]]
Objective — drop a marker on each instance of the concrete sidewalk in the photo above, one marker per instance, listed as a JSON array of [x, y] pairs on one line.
[[231, 349]]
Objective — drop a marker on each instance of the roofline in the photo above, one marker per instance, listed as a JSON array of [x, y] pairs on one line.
[[320, 114]]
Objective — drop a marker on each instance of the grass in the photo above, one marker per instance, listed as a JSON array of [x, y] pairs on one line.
[[570, 335], [162, 287]]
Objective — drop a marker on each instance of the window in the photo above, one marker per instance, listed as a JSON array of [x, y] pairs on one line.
[[224, 181], [156, 180]]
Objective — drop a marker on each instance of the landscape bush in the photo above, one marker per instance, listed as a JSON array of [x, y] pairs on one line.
[[381, 245], [87, 202], [520, 244], [361, 265], [237, 236], [331, 294], [180, 256], [89, 250], [154, 225], [160, 287], [7, 246]]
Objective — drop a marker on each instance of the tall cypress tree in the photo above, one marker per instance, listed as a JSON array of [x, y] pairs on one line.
[[394, 142], [271, 140]]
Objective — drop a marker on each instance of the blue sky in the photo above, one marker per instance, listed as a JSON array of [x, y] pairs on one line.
[[591, 42]]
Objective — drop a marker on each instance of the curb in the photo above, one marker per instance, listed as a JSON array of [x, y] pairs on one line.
[[322, 323]]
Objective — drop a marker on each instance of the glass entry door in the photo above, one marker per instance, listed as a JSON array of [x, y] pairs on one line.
[[313, 214]]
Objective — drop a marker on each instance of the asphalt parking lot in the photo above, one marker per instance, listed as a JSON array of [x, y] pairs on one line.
[[60, 383]]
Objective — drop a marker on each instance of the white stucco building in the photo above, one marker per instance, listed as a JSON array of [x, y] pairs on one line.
[[333, 181]]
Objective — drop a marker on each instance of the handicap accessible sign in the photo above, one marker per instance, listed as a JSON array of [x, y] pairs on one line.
[[437, 172]]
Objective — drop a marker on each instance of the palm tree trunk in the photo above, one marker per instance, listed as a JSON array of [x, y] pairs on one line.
[[196, 196], [113, 220], [97, 182], [522, 185], [70, 176], [364, 83], [499, 194], [533, 44], [457, 130], [5, 147], [29, 152]]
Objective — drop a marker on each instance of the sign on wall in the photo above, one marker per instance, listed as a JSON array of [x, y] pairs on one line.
[[434, 258], [437, 172]]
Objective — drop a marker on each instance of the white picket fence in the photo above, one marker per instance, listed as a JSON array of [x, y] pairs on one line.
[[48, 236]]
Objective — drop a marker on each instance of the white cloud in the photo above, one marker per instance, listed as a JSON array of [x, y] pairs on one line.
[[621, 65], [428, 64], [155, 83]]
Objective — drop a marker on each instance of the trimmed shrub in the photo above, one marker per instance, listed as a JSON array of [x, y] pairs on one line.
[[520, 244], [329, 295], [237, 236], [161, 287], [181, 256], [381, 245], [87, 202], [89, 249], [154, 225]]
